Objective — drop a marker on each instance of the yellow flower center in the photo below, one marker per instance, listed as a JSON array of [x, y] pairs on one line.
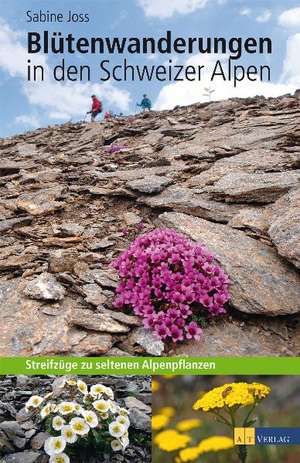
[[78, 426], [67, 408]]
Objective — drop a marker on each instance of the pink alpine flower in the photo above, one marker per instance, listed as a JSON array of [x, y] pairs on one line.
[[193, 331], [167, 279]]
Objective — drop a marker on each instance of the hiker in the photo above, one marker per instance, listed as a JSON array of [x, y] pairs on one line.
[[96, 108], [108, 115], [145, 103]]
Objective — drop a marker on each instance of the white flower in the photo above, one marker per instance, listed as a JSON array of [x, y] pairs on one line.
[[71, 382], [116, 445], [54, 445], [79, 426], [97, 390], [101, 405], [78, 409], [123, 411], [60, 458], [116, 429], [82, 387], [46, 410], [69, 435], [34, 402], [104, 416], [65, 408], [58, 422], [113, 406], [91, 418], [110, 393], [54, 408], [124, 420], [124, 441]]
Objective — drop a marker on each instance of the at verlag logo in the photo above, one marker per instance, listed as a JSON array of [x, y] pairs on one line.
[[267, 436]]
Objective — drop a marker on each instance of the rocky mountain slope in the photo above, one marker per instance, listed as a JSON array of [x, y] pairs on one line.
[[22, 435], [72, 197]]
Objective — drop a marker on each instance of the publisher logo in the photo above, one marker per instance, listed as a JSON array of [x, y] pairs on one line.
[[267, 436], [244, 436]]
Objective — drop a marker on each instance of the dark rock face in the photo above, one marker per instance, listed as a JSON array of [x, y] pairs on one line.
[[235, 338], [254, 188], [22, 435], [149, 185], [284, 228], [254, 267], [185, 200], [254, 221], [227, 173], [97, 322], [9, 224], [254, 160]]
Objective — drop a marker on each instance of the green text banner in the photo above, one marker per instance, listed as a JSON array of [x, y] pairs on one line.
[[149, 366]]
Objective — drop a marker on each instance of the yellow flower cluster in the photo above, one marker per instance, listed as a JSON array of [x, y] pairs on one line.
[[188, 425], [171, 440], [215, 444], [188, 454], [211, 444], [159, 422], [230, 395], [167, 411]]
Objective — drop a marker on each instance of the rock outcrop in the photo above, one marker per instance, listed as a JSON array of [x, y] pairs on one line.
[[253, 267], [284, 230], [72, 197]]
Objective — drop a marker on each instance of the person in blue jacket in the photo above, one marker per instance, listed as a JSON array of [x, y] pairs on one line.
[[145, 103]]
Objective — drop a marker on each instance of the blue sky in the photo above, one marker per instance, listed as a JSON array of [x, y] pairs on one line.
[[25, 106]]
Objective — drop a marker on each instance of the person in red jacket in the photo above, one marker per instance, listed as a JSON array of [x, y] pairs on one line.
[[96, 108]]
